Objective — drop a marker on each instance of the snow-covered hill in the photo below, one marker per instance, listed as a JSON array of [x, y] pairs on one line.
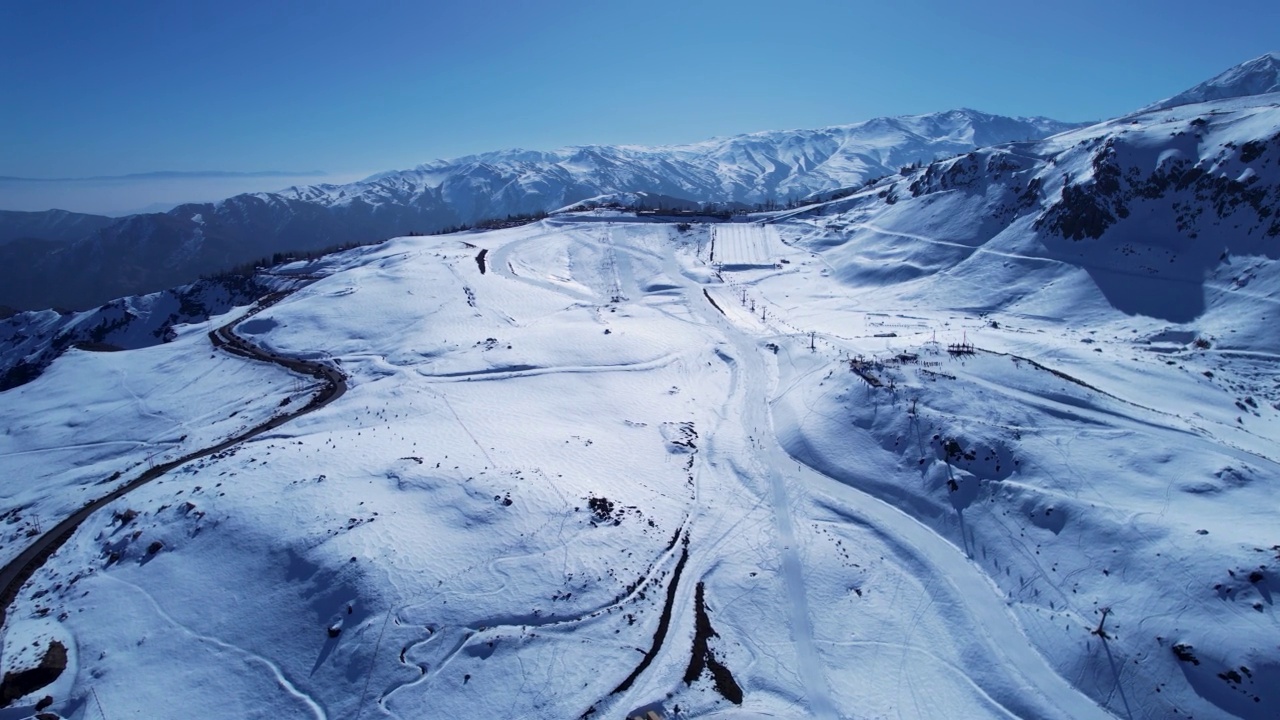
[[578, 467], [30, 340], [145, 253], [994, 437]]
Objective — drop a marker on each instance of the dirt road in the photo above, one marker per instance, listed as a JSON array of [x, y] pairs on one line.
[[17, 572]]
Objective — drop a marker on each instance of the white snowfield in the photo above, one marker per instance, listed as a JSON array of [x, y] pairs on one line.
[[737, 246], [915, 453]]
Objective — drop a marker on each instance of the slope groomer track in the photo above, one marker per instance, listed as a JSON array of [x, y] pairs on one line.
[[743, 454], [18, 571], [1041, 691]]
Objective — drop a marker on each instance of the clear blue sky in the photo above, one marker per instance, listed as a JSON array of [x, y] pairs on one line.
[[105, 88]]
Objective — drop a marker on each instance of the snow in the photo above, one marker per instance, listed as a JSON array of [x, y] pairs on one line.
[[1258, 76], [95, 420], [979, 440], [752, 168], [840, 572]]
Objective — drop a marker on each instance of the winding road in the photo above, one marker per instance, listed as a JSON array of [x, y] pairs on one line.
[[1028, 685], [22, 567]]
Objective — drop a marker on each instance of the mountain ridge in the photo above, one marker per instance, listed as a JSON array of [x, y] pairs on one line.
[[150, 252], [1258, 76]]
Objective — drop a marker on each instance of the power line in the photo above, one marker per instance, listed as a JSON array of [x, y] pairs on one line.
[[372, 658], [98, 702]]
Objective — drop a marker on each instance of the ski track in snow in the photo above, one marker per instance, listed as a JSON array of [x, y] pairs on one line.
[[1075, 262], [748, 403], [977, 592], [740, 455], [311, 704]]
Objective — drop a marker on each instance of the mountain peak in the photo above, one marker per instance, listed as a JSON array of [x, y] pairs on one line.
[[1258, 76]]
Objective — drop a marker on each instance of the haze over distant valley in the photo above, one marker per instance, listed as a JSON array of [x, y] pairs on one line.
[[152, 192]]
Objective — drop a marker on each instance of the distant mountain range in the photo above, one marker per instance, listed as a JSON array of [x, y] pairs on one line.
[[52, 226], [60, 259], [77, 261]]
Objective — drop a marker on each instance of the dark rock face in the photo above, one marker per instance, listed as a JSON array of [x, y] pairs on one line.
[[1199, 195], [30, 341], [25, 682]]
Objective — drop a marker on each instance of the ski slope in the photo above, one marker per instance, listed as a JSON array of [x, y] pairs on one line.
[[496, 512], [993, 438], [745, 245]]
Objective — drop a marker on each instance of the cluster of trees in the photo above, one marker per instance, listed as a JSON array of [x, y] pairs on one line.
[[252, 267], [492, 223], [279, 258]]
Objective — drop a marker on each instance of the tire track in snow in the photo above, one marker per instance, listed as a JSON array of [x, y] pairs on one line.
[[478, 630], [507, 373], [81, 446]]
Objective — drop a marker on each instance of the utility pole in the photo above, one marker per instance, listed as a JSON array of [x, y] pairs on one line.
[[812, 347], [1098, 630]]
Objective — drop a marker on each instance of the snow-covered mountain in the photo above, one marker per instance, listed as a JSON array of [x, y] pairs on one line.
[[1135, 262], [745, 169], [1157, 208], [992, 437], [1258, 76], [30, 340], [144, 253]]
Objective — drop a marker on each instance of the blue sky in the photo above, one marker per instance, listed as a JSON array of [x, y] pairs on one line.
[[96, 88]]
